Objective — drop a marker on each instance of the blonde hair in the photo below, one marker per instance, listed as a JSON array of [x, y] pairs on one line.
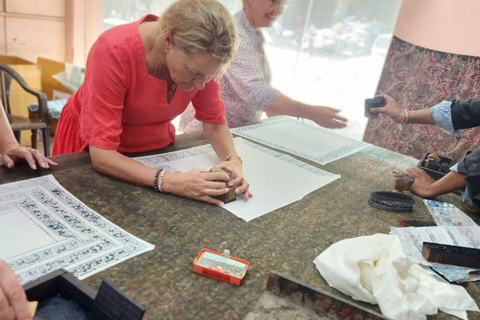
[[201, 26]]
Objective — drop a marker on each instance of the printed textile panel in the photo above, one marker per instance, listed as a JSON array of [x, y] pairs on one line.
[[418, 78]]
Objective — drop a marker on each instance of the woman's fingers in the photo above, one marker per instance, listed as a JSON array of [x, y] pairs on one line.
[[31, 156]]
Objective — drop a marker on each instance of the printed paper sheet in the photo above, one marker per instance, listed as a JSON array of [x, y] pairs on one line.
[[305, 140], [44, 228], [412, 240], [276, 179]]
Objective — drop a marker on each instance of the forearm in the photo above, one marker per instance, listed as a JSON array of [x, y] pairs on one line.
[[7, 138], [221, 139], [393, 110], [450, 182], [118, 166], [283, 105], [422, 116]]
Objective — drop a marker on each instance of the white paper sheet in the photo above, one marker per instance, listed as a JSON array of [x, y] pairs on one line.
[[412, 240], [276, 179], [43, 228], [305, 140]]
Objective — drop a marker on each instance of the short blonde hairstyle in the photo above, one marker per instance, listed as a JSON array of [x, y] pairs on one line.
[[201, 26]]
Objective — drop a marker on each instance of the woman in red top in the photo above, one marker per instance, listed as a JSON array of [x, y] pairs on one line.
[[139, 77]]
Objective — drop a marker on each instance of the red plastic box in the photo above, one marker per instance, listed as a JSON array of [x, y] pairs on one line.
[[217, 273]]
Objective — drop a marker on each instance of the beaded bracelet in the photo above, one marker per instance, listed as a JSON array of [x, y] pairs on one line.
[[155, 180], [159, 186]]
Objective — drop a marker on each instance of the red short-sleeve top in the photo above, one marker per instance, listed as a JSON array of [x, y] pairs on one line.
[[122, 107]]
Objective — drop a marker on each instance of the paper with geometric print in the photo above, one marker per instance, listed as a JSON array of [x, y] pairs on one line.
[[43, 228], [276, 179], [301, 138]]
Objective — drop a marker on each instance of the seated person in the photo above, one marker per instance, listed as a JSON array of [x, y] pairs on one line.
[[11, 151], [449, 115], [245, 87], [139, 77]]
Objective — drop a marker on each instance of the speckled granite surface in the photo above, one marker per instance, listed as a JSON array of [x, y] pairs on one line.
[[286, 240]]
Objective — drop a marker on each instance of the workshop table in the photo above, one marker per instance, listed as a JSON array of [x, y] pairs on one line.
[[286, 240]]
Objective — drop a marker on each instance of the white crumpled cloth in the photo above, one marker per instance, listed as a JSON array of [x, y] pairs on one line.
[[375, 269]]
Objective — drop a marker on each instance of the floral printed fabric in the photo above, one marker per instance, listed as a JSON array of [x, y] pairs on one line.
[[245, 88], [442, 116], [418, 78]]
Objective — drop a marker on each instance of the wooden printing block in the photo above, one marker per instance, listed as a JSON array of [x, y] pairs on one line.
[[448, 254], [401, 181], [432, 164], [230, 195], [434, 156], [416, 223], [227, 197], [373, 103]]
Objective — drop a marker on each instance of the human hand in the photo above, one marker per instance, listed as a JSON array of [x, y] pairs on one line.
[[422, 186], [197, 184], [327, 117], [391, 109], [14, 152], [234, 169], [12, 296]]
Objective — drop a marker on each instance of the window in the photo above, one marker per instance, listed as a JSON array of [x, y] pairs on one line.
[[335, 48]]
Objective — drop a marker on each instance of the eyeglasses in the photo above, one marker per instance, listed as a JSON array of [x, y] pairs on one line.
[[200, 76], [278, 3]]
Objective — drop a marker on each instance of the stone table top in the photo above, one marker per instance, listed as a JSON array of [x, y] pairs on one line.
[[286, 240]]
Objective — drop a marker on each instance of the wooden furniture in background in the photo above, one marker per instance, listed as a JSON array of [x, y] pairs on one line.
[[20, 123], [62, 30]]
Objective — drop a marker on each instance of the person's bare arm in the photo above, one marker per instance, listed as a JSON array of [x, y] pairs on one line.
[[425, 187], [393, 110], [194, 184], [323, 116], [11, 151]]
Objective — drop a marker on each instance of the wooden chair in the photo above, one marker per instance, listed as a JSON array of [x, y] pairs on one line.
[[20, 123]]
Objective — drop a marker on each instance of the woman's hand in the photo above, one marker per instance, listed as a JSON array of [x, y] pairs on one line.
[[12, 153], [391, 109], [234, 168], [197, 184], [327, 117], [12, 295]]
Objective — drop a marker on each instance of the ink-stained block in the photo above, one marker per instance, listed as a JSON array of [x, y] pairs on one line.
[[448, 254], [230, 195]]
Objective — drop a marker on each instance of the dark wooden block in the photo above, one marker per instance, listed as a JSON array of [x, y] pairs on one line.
[[228, 197], [455, 255]]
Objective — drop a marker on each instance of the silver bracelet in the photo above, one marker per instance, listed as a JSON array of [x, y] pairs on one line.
[[234, 155], [162, 177]]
